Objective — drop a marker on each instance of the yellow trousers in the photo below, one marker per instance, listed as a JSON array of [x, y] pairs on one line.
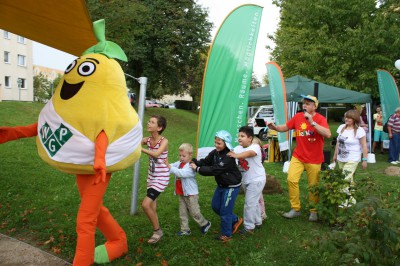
[[296, 169]]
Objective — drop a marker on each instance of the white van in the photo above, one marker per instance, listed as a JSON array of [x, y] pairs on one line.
[[265, 112]]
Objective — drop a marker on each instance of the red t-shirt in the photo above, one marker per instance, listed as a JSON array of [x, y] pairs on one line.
[[309, 144], [178, 183]]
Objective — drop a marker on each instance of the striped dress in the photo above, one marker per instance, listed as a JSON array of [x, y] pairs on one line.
[[158, 173]]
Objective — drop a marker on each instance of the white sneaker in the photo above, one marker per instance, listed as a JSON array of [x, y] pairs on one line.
[[394, 162], [291, 214], [264, 216]]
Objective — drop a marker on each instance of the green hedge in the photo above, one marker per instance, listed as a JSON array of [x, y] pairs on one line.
[[186, 105]]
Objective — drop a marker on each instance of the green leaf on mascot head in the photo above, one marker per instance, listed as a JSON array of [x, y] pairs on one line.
[[108, 48]]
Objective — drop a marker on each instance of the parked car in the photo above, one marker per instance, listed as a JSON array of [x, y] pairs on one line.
[[265, 115], [162, 105], [171, 106], [151, 103]]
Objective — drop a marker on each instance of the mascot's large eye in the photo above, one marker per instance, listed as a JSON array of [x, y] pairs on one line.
[[70, 67], [86, 69]]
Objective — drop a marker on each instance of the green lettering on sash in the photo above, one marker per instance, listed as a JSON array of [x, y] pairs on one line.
[[54, 141]]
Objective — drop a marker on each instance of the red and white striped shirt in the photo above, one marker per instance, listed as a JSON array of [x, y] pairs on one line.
[[158, 173]]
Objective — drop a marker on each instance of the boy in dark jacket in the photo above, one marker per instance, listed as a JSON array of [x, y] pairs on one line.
[[228, 178]]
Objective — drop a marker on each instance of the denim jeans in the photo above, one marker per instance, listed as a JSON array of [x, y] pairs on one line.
[[222, 204], [394, 147]]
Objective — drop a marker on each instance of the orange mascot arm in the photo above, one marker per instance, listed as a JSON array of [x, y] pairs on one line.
[[99, 165], [13, 133]]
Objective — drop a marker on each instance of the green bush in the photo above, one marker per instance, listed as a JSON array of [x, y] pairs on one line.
[[186, 105], [365, 233], [336, 114]]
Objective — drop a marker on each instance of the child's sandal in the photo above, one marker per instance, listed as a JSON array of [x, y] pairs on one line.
[[155, 237]]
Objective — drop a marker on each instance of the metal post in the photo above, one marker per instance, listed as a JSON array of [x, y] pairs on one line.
[[136, 169], [19, 82]]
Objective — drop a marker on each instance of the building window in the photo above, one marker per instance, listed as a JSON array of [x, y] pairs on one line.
[[7, 82], [6, 35], [6, 57], [21, 60], [20, 39], [22, 82]]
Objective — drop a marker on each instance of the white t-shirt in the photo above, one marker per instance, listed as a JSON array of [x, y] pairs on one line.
[[251, 168], [350, 148]]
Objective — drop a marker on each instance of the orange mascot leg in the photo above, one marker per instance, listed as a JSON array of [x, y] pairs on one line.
[[92, 214], [87, 218], [116, 244]]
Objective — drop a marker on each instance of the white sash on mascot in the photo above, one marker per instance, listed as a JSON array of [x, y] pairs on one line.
[[60, 140]]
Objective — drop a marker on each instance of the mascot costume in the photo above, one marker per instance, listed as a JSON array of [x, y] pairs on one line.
[[89, 129]]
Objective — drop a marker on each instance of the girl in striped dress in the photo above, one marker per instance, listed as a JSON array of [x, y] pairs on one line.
[[158, 173]]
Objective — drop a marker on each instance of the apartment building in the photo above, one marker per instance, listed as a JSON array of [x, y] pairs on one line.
[[16, 67], [49, 73]]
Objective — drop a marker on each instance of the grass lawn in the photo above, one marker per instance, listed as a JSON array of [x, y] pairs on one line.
[[38, 205]]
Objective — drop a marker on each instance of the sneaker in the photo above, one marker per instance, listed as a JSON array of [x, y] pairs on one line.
[[246, 231], [204, 229], [264, 216], [236, 225], [313, 217], [224, 239], [394, 162], [258, 226], [291, 214], [183, 233]]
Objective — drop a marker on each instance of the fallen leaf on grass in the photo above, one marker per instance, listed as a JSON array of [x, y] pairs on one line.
[[49, 241], [56, 250], [164, 263], [139, 250], [26, 212], [139, 264]]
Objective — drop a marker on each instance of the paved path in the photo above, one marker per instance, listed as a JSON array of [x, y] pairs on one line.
[[16, 253]]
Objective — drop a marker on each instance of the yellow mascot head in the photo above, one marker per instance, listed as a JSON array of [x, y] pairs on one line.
[[91, 97]]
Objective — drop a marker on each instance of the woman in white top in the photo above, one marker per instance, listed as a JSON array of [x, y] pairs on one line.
[[351, 144]]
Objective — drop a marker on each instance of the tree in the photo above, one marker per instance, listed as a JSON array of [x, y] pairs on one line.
[[41, 88], [254, 83], [339, 42], [163, 40]]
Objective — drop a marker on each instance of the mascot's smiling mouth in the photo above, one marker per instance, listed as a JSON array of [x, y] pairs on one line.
[[69, 90]]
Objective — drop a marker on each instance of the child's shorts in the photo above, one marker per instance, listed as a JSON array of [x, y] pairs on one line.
[[152, 193]]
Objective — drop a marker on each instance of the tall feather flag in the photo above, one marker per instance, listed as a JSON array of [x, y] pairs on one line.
[[227, 77], [278, 98], [388, 93]]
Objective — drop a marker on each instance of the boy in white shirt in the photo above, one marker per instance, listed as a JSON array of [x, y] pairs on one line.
[[187, 190], [253, 172]]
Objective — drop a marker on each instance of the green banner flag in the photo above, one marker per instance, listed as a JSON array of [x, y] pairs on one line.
[[278, 98], [227, 77], [388, 93]]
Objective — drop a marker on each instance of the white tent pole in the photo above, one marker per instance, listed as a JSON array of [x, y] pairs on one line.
[[368, 108]]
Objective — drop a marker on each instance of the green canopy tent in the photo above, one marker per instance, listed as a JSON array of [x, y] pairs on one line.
[[297, 85]]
